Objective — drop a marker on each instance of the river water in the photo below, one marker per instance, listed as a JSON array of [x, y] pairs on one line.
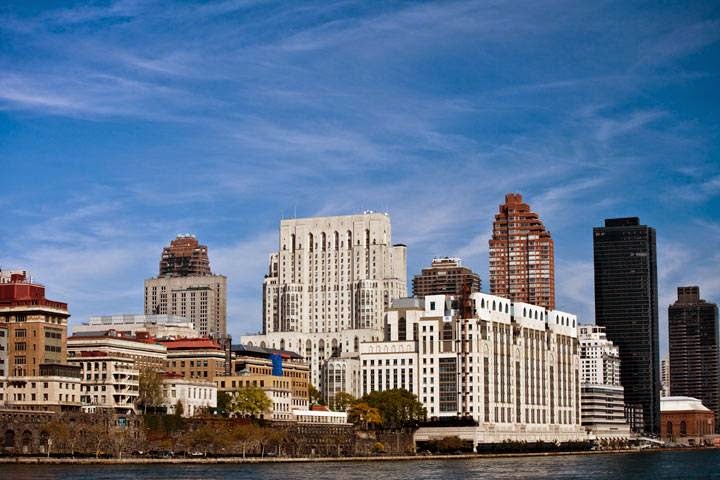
[[640, 465]]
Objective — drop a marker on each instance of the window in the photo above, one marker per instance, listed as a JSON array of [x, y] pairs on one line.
[[683, 428]]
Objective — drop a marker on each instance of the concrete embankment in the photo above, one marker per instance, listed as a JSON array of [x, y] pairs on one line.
[[250, 460]]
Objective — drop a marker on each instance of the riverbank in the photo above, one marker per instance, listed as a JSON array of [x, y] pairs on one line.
[[256, 460]]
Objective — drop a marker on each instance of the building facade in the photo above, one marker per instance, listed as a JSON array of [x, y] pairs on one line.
[[686, 420], [602, 395], [143, 351], [195, 396], [626, 305], [521, 256], [33, 336], [694, 349], [511, 367], [186, 287], [157, 326], [108, 382], [328, 285], [665, 376], [36, 327], [194, 358], [446, 276], [282, 375]]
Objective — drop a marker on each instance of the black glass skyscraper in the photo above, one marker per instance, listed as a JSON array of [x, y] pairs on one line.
[[626, 305], [694, 353]]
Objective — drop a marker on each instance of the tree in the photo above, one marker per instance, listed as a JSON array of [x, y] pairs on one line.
[[224, 402], [58, 434], [315, 395], [179, 409], [207, 438], [252, 401], [363, 414], [342, 401], [150, 389], [245, 434], [398, 408]]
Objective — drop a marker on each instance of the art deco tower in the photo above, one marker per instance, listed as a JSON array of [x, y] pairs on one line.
[[186, 286], [522, 259], [328, 285]]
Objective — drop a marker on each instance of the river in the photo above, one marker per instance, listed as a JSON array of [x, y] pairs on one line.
[[640, 465]]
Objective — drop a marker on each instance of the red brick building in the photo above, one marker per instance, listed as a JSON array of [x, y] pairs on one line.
[[685, 420], [522, 257]]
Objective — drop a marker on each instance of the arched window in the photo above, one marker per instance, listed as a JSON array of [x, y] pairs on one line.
[[506, 308], [292, 241], [683, 428], [9, 440], [357, 344], [367, 237], [282, 344], [308, 348], [337, 240], [311, 240], [349, 239], [493, 305], [482, 303], [669, 429], [321, 348], [524, 312], [324, 242]]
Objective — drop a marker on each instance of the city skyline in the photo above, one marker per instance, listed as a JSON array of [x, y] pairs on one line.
[[112, 143]]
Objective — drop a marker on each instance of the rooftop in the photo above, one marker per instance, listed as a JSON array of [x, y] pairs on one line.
[[682, 404]]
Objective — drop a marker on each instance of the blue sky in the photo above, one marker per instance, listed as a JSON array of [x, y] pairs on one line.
[[124, 123]]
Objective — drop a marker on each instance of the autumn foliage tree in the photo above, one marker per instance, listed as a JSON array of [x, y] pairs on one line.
[[398, 408], [250, 401]]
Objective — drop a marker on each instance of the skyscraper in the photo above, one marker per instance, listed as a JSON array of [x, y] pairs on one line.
[[446, 276], [187, 287], [522, 259], [694, 352], [626, 305], [328, 285]]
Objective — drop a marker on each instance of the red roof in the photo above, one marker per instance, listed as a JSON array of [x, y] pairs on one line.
[[319, 408], [190, 343]]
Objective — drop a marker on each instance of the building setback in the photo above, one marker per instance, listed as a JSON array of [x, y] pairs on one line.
[[446, 276], [186, 287], [522, 258], [626, 305], [328, 285], [694, 352]]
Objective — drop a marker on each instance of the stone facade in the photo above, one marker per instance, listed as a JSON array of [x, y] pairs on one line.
[[511, 367], [328, 285]]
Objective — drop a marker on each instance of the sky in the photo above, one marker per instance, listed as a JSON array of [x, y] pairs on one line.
[[125, 123]]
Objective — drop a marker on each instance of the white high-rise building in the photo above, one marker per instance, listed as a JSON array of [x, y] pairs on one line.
[[603, 398], [329, 284]]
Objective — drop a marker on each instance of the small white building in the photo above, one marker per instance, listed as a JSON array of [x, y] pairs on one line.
[[320, 416], [193, 394]]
